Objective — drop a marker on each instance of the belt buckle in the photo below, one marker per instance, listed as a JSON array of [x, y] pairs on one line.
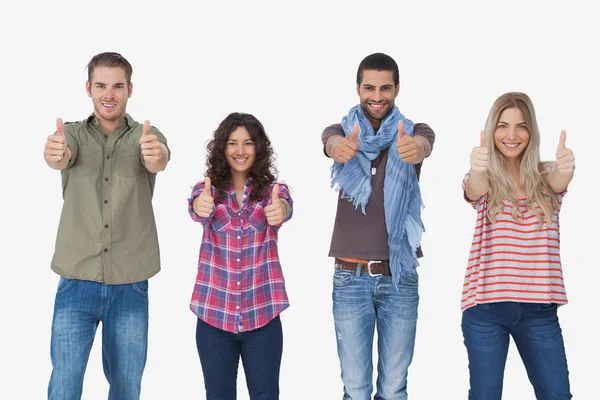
[[369, 268]]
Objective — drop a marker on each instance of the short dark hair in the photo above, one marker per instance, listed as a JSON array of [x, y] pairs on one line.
[[110, 60], [378, 62]]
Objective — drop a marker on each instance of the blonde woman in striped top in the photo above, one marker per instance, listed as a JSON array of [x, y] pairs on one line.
[[514, 283]]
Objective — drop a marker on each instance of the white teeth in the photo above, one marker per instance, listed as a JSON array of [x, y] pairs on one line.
[[512, 145]]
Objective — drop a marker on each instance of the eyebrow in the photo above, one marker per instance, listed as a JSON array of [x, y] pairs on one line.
[[506, 123], [386, 86], [102, 83]]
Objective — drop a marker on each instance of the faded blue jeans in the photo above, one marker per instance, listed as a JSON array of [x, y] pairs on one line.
[[78, 309], [361, 302], [535, 329]]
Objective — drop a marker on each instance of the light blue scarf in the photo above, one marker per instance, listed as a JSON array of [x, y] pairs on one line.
[[401, 191]]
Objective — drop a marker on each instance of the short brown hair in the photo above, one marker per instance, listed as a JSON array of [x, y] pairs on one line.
[[110, 60]]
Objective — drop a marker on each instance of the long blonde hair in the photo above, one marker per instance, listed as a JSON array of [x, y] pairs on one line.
[[536, 187]]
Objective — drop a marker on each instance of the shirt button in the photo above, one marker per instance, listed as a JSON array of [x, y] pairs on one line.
[[107, 157], [237, 307], [105, 201], [238, 260], [238, 284], [105, 135], [239, 237], [106, 250], [105, 179], [106, 226]]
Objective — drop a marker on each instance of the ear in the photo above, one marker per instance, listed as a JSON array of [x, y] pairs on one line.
[[130, 90], [358, 89], [88, 88], [397, 90]]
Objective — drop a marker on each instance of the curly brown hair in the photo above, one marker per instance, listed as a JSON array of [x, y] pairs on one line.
[[263, 171]]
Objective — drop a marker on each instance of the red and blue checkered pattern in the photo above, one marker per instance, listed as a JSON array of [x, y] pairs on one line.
[[240, 285]]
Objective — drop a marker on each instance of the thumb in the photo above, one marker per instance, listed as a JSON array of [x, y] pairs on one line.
[[563, 139], [401, 132], [206, 190], [275, 193], [354, 135], [482, 139], [60, 127], [146, 128]]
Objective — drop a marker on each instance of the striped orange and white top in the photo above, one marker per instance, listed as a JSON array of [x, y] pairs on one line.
[[513, 260]]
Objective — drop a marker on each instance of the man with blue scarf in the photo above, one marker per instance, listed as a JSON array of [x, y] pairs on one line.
[[377, 155]]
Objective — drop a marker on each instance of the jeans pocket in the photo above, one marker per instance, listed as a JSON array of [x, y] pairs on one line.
[[545, 306], [141, 287], [484, 306], [409, 279], [342, 278], [64, 284]]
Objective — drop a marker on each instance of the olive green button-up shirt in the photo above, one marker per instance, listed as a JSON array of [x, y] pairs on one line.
[[107, 231]]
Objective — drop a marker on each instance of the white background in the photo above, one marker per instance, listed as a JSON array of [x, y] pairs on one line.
[[293, 66]]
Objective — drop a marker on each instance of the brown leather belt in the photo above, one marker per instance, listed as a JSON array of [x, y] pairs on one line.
[[373, 268]]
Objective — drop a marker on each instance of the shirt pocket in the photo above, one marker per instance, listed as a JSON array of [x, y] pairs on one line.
[[87, 163], [221, 219], [257, 221], [129, 162]]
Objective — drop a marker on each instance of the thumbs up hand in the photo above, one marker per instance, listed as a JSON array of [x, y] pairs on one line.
[[56, 145], [408, 148], [565, 160], [479, 155], [347, 147], [151, 150], [275, 211], [204, 204]]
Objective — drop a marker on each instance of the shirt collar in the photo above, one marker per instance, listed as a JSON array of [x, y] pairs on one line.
[[126, 121]]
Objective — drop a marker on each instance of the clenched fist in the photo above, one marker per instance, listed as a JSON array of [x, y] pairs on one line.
[[479, 155], [347, 147], [151, 150], [565, 160], [408, 148], [276, 210], [204, 204], [56, 145]]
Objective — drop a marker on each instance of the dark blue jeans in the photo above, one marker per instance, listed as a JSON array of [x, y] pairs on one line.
[[78, 309], [537, 334], [220, 352]]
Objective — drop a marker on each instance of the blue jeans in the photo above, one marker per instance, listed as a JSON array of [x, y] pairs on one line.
[[78, 309], [220, 352], [537, 334], [360, 302]]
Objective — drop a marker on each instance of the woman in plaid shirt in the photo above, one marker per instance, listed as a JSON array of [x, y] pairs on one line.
[[240, 289]]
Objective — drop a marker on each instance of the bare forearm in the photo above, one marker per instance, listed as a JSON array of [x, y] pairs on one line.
[[559, 181], [477, 185]]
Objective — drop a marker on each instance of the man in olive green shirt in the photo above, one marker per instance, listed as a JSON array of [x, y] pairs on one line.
[[107, 244]]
